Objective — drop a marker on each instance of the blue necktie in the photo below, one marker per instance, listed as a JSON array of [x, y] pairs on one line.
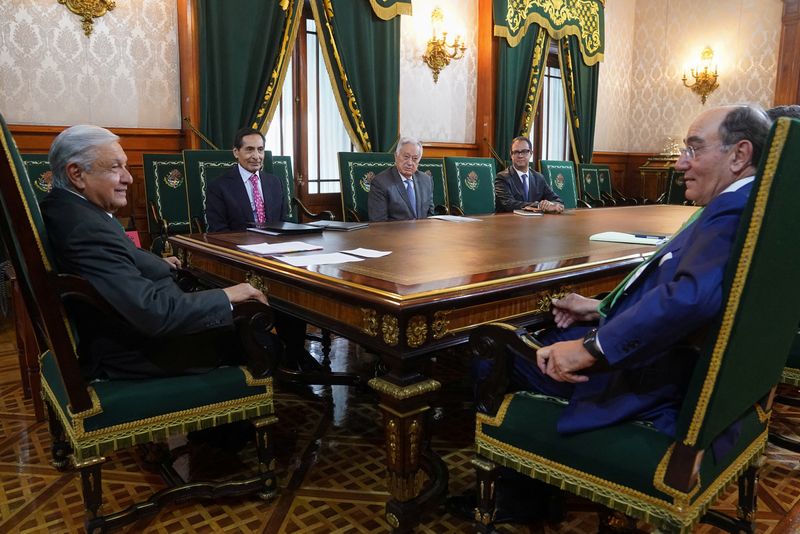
[[525, 186], [412, 199]]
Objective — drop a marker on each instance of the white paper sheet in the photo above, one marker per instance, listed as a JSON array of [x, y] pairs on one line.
[[318, 259], [453, 218], [279, 248], [622, 237], [368, 252]]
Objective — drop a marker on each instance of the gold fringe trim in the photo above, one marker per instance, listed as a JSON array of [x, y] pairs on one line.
[[359, 135], [791, 376], [681, 499], [544, 24], [388, 13], [538, 63], [742, 270], [763, 416], [566, 86]]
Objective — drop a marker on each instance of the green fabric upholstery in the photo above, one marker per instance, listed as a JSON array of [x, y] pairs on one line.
[[604, 185], [166, 189], [560, 176], [470, 185], [590, 186], [676, 189], [38, 168], [791, 373], [282, 168], [356, 171], [434, 167], [620, 466]]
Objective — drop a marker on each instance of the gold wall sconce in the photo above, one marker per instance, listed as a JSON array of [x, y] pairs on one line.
[[705, 81], [89, 10], [436, 56]]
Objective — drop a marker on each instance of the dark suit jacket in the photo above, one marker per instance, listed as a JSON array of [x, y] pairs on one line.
[[679, 293], [228, 206], [136, 283], [388, 201], [509, 192]]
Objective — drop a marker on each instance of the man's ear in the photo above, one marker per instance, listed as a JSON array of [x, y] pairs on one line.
[[75, 176], [743, 156]]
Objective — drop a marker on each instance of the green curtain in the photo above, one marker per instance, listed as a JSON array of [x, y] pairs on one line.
[[362, 55], [519, 76], [580, 93], [245, 46], [388, 9]]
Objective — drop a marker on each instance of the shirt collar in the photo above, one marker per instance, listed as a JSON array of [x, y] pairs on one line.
[[738, 184], [245, 174], [86, 199]]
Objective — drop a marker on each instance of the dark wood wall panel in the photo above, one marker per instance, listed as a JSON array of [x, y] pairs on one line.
[[787, 83]]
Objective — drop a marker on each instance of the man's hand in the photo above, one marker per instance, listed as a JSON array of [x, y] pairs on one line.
[[243, 292], [560, 361], [574, 308], [174, 262], [550, 207]]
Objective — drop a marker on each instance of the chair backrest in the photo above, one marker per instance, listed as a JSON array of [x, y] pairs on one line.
[[746, 351], [560, 176], [23, 233], [676, 188], [38, 169], [166, 188], [282, 168], [356, 171], [434, 167], [603, 173], [470, 185], [589, 183]]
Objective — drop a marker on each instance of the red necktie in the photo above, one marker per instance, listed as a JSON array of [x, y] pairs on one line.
[[257, 200]]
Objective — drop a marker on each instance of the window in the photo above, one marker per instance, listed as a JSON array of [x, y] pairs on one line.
[[550, 127]]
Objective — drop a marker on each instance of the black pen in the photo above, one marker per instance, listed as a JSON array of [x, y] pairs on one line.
[[645, 236]]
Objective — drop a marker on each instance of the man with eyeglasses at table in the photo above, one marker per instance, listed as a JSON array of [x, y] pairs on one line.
[[521, 188], [401, 193]]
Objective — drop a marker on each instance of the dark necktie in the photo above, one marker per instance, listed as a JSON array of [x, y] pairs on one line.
[[525, 187], [412, 199]]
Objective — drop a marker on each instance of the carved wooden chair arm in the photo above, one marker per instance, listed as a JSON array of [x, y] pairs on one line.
[[321, 216]]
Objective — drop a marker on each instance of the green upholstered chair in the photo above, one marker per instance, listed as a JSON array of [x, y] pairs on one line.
[[676, 189], [434, 167], [167, 198], [560, 176], [632, 468], [200, 169], [590, 187], [356, 171], [89, 420], [606, 186], [789, 377], [470, 185], [282, 168], [38, 168]]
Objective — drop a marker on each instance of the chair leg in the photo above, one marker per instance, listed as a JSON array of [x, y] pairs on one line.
[[748, 499], [613, 522], [266, 458], [60, 448], [91, 481], [326, 336], [486, 476]]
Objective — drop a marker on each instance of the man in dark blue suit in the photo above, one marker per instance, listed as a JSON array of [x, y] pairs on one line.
[[664, 303], [521, 188], [245, 194]]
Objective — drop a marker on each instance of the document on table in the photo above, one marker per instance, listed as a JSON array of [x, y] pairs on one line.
[[453, 218], [635, 239], [279, 248], [368, 252], [318, 259]]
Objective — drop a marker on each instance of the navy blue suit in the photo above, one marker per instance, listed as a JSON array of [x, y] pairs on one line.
[[678, 294], [228, 206], [509, 193]]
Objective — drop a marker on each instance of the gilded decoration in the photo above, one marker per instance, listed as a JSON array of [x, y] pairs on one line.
[[404, 392], [44, 182], [440, 324], [414, 440], [369, 322], [416, 331], [257, 282], [89, 10], [405, 488], [545, 298], [391, 332], [535, 82], [392, 520], [392, 440]]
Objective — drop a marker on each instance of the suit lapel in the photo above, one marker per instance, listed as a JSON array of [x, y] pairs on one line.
[[241, 198], [398, 183]]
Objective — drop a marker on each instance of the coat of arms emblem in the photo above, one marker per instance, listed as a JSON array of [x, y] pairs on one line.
[[559, 181], [471, 181], [587, 178], [366, 180], [174, 179], [44, 182], [601, 178]]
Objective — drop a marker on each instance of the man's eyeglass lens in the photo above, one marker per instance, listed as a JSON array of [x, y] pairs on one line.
[[520, 152]]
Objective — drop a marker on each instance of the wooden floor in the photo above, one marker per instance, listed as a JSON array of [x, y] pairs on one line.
[[330, 462]]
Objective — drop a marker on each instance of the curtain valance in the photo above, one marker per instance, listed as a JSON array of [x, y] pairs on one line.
[[389, 9], [560, 18]]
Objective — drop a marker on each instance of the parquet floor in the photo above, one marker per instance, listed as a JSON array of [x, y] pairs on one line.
[[330, 460]]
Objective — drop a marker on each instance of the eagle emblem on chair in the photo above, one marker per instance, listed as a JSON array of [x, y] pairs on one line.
[[174, 179], [366, 180], [44, 182], [471, 181], [559, 181], [601, 177], [587, 179]]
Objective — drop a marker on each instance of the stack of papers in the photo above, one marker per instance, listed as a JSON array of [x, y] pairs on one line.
[[279, 248], [635, 239], [528, 213], [453, 218]]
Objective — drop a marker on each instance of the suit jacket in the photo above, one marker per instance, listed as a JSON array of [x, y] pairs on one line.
[[509, 192], [678, 294], [388, 201], [228, 206], [87, 242]]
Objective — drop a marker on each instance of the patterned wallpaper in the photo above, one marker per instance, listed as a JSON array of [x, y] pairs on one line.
[[669, 36], [125, 75], [443, 111]]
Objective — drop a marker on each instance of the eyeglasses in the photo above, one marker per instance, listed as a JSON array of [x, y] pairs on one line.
[[409, 157], [690, 152], [520, 152]]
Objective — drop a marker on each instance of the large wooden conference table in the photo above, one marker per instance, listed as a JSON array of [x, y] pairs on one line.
[[441, 280]]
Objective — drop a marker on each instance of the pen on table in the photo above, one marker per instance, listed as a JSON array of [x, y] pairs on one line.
[[646, 236]]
